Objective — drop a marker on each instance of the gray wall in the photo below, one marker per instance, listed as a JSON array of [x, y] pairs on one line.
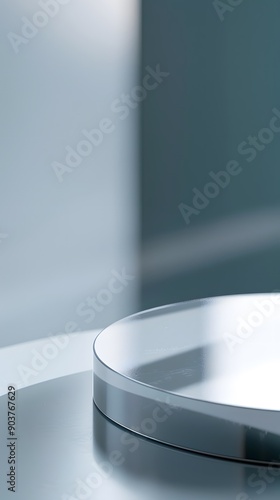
[[62, 242], [66, 239], [224, 82]]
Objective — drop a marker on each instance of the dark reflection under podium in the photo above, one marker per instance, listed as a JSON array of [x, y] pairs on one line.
[[200, 477], [67, 450]]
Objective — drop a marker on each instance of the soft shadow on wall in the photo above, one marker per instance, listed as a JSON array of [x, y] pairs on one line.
[[210, 149]]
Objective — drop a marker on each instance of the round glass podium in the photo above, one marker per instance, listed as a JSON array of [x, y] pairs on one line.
[[202, 376]]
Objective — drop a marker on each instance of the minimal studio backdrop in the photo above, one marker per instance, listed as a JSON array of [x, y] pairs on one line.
[[140, 157]]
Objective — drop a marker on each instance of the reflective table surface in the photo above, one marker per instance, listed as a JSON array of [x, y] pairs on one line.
[[67, 449]]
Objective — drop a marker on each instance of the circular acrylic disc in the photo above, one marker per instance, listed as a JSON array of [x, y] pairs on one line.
[[202, 375]]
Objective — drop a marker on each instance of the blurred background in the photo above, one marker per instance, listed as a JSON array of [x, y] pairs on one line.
[[116, 116]]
